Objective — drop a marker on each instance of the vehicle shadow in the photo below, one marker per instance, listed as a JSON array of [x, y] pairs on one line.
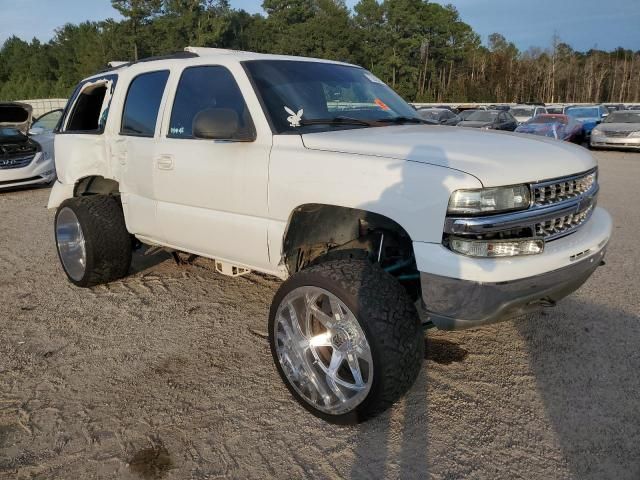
[[141, 261], [395, 444], [585, 359]]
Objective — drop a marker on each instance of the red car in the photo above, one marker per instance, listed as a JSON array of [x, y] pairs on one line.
[[562, 127]]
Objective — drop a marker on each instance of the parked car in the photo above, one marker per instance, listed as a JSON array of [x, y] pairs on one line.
[[522, 113], [379, 224], [633, 107], [589, 116], [614, 107], [555, 109], [621, 129], [560, 127], [442, 116], [42, 131], [490, 120], [24, 159]]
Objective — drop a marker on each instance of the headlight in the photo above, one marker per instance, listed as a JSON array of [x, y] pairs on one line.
[[489, 200], [496, 248], [635, 134], [595, 131]]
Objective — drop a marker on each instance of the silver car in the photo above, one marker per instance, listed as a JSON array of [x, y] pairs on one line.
[[621, 129]]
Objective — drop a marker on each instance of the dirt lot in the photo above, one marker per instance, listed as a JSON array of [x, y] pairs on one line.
[[166, 374]]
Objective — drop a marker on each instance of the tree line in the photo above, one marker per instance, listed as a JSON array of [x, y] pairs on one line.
[[423, 50]]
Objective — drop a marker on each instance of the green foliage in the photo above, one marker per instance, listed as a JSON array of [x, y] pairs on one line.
[[422, 49]]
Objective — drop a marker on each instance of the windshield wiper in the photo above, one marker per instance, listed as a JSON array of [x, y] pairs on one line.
[[338, 121], [399, 120]]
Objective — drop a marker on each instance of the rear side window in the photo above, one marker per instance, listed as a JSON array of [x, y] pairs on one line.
[[201, 88], [143, 103], [87, 110]]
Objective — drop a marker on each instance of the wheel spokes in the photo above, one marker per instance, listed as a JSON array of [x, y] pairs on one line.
[[326, 350]]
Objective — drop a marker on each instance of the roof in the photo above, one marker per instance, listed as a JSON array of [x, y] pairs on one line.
[[223, 54]]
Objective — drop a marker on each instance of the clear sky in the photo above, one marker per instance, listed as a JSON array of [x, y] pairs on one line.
[[583, 24]]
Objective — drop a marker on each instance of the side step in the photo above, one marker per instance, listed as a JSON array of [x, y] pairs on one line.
[[229, 269]]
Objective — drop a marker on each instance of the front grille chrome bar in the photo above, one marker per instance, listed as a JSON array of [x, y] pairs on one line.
[[570, 208]]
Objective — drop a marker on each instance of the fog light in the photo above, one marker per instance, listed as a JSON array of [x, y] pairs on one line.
[[496, 248]]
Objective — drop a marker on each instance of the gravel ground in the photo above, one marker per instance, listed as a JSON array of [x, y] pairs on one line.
[[167, 374]]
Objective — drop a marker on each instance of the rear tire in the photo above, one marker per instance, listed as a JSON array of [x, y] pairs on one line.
[[93, 244], [383, 313]]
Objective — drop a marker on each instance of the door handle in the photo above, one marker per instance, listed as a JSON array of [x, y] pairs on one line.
[[165, 162]]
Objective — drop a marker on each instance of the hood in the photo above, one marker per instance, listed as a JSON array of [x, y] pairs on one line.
[[522, 119], [16, 115], [619, 127], [474, 124], [495, 158]]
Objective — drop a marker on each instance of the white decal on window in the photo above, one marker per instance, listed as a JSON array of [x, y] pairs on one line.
[[177, 131], [294, 118]]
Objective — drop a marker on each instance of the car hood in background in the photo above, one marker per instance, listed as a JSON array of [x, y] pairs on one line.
[[15, 115], [495, 158], [474, 124], [619, 127]]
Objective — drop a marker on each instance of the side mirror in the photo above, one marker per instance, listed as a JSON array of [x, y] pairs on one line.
[[36, 131], [218, 124]]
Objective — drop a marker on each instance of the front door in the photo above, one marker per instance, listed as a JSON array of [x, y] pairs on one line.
[[212, 194]]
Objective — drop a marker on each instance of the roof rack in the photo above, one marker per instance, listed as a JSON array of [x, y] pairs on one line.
[[115, 65]]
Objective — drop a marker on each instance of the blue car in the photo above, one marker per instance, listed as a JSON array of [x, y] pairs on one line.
[[589, 116]]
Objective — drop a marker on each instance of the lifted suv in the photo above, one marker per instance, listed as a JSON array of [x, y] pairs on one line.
[[318, 173]]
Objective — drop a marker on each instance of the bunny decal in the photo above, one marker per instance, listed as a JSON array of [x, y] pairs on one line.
[[294, 118]]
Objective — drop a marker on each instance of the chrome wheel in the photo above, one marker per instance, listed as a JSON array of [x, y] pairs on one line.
[[71, 244], [322, 350]]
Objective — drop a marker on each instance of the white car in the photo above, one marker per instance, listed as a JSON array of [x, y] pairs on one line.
[[526, 112], [318, 173], [26, 158]]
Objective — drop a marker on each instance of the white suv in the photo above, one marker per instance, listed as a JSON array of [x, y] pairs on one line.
[[318, 173]]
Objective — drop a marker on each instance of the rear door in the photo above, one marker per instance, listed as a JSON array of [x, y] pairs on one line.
[[212, 194], [80, 139]]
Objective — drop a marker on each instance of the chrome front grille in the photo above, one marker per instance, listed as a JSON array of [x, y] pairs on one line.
[[612, 134], [563, 225], [15, 162], [560, 190], [559, 207]]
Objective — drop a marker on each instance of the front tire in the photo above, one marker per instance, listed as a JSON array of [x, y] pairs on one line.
[[93, 244], [346, 339]]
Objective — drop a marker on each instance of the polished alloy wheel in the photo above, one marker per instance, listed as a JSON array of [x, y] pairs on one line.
[[322, 350], [71, 244]]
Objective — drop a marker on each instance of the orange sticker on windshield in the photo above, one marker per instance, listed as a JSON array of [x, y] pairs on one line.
[[381, 104]]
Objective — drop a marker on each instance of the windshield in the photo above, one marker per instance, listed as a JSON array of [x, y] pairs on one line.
[[465, 114], [298, 92], [430, 114], [48, 121], [623, 117], [521, 112], [482, 116], [583, 112]]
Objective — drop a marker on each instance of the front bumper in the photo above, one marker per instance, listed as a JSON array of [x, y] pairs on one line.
[[457, 304], [40, 170], [601, 141], [462, 292]]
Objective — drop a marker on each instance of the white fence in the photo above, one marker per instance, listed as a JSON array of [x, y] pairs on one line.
[[43, 105]]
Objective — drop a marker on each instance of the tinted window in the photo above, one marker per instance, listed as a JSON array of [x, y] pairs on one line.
[[201, 88], [299, 92], [142, 104]]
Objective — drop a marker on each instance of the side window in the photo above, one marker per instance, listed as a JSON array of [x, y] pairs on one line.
[[201, 88], [90, 106], [142, 104]]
